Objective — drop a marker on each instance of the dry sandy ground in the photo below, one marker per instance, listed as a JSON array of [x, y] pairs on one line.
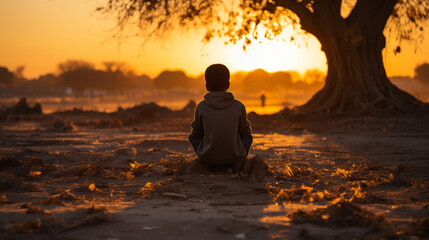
[[355, 179]]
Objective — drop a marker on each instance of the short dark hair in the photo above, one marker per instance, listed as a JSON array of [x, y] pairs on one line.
[[217, 77]]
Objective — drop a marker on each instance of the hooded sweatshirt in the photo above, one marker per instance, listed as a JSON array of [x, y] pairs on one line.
[[220, 120]]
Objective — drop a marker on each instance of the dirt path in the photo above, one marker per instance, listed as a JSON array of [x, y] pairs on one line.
[[121, 183]]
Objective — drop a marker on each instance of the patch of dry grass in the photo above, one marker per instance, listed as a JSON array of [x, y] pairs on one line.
[[303, 194], [342, 214]]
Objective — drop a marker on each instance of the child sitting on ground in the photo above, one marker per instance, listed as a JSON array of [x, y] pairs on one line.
[[221, 133]]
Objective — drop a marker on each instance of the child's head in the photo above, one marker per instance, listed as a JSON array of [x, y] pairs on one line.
[[217, 78]]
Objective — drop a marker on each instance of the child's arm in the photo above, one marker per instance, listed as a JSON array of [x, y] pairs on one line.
[[245, 130], [197, 133], [247, 140]]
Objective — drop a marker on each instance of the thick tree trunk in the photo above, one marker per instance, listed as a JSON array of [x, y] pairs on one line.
[[356, 81]]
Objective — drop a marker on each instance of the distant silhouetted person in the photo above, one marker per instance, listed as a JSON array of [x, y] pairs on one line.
[[221, 133], [263, 98]]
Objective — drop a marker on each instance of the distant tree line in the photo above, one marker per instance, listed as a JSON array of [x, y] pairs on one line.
[[116, 77], [6, 77], [78, 76], [421, 73]]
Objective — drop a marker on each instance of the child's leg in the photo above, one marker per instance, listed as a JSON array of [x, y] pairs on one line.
[[255, 167], [196, 166], [259, 169]]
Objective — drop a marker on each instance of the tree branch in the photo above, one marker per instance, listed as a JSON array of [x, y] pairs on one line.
[[366, 12], [329, 10], [385, 12], [334, 5], [304, 14], [327, 14]]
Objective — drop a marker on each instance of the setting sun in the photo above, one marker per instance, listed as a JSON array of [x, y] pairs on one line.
[[277, 55]]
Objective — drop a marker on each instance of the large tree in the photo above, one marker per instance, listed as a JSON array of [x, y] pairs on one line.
[[351, 33]]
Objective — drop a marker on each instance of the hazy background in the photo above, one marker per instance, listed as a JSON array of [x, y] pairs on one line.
[[62, 54]]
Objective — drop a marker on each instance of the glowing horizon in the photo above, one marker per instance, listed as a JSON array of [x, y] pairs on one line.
[[39, 34]]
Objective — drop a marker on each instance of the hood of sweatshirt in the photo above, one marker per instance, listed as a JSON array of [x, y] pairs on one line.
[[219, 100]]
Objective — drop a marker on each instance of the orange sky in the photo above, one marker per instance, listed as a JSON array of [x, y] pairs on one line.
[[42, 33]]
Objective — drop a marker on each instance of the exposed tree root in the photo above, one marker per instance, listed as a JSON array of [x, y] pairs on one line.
[[385, 100], [402, 104]]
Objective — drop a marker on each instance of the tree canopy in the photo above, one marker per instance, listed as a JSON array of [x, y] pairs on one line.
[[225, 18]]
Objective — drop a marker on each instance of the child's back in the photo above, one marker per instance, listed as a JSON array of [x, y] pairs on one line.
[[221, 120], [221, 133]]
